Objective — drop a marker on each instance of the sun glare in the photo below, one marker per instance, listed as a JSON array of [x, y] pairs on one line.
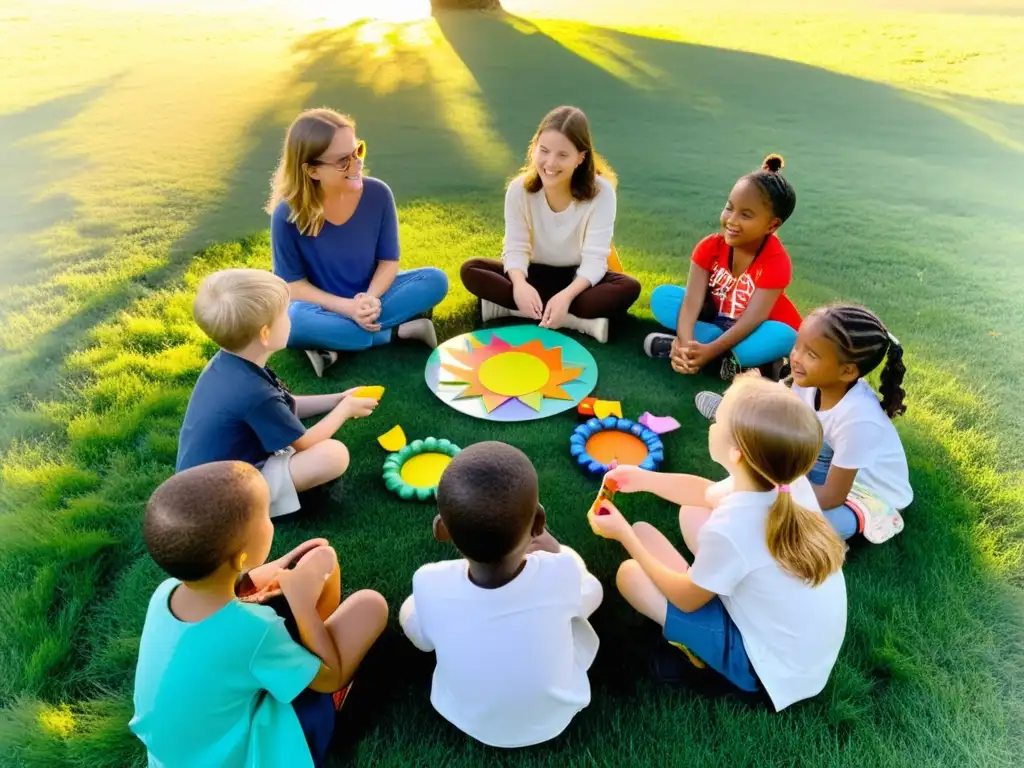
[[394, 11]]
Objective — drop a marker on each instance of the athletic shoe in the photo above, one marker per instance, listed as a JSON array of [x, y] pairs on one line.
[[658, 344]]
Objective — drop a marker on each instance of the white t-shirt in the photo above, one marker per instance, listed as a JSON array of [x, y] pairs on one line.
[[863, 438], [511, 662], [580, 236], [792, 632]]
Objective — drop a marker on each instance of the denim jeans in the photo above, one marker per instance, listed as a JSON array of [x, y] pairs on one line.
[[770, 341], [842, 518], [413, 292]]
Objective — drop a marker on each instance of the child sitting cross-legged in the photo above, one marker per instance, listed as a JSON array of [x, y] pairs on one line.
[[239, 411], [764, 602], [509, 621], [221, 682]]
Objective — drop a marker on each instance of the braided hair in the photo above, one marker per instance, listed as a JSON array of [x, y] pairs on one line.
[[862, 339], [775, 189]]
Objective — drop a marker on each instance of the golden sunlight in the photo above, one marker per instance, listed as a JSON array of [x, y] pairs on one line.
[[395, 11]]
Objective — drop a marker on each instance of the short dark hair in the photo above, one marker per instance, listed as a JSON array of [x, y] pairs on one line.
[[775, 188], [487, 499], [196, 520]]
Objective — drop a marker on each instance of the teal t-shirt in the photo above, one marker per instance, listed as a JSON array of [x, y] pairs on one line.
[[218, 692]]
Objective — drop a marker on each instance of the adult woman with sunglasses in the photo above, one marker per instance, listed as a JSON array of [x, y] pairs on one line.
[[334, 240]]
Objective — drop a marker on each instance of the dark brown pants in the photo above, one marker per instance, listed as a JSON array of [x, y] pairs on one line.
[[616, 293]]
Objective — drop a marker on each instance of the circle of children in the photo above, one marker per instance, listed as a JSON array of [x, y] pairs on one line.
[[245, 662]]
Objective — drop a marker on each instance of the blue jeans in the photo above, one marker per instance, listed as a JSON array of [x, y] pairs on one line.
[[770, 341], [843, 519], [412, 293]]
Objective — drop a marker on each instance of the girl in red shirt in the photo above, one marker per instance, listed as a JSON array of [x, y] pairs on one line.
[[736, 310]]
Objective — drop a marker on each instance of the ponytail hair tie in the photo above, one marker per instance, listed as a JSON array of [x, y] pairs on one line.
[[783, 488], [892, 339]]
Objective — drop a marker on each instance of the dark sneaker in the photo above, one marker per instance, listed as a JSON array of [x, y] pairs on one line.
[[730, 368], [658, 344], [707, 404], [776, 370], [674, 666]]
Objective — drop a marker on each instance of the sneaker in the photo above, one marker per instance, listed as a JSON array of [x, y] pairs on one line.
[[776, 370], [419, 330], [490, 311], [596, 327], [659, 344], [340, 697], [730, 368], [689, 654], [670, 667], [321, 359], [707, 404]]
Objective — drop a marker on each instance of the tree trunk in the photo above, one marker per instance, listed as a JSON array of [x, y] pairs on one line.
[[476, 5]]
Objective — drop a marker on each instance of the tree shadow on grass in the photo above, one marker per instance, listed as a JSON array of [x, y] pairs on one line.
[[659, 134], [30, 165]]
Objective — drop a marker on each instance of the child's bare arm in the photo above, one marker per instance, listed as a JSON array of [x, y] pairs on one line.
[[314, 405], [302, 587], [696, 289], [349, 407], [837, 487]]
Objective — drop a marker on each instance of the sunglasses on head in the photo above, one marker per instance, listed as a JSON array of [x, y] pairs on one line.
[[343, 163]]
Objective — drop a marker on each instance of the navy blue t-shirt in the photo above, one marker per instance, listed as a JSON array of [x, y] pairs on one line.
[[341, 259], [237, 412]]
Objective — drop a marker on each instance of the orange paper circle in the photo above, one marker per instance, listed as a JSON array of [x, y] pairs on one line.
[[512, 374], [612, 445]]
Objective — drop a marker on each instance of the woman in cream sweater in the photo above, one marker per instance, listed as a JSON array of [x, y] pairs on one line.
[[559, 221]]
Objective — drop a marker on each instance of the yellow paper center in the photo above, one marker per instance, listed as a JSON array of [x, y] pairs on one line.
[[512, 374], [424, 470]]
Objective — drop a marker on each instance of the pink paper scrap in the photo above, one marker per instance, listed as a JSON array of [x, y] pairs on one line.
[[658, 424]]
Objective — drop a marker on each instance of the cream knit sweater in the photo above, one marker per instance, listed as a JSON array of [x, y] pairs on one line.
[[580, 236]]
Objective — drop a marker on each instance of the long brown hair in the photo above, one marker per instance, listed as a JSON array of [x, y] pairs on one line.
[[308, 137], [573, 124], [780, 437]]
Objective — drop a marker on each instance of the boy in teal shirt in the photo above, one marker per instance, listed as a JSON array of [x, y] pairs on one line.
[[221, 682]]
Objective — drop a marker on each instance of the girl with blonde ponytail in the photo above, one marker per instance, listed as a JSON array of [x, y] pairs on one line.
[[764, 602]]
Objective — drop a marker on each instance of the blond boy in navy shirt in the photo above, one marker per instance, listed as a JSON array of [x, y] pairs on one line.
[[239, 411]]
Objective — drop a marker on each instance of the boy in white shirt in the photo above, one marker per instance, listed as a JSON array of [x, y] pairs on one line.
[[509, 621]]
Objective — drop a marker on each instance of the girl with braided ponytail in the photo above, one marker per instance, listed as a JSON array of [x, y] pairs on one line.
[[861, 477], [734, 310], [764, 603]]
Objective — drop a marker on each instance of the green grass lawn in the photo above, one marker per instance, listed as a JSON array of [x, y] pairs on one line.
[[135, 139]]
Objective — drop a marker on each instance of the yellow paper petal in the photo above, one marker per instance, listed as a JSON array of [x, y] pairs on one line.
[[373, 392], [605, 408], [392, 440]]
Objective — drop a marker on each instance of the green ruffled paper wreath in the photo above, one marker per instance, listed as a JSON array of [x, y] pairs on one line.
[[395, 461]]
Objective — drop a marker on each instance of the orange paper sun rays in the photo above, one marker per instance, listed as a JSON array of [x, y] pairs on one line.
[[497, 372]]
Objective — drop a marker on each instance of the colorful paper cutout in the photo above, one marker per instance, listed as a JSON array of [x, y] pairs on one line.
[[586, 406], [658, 424], [393, 439], [376, 392], [425, 469], [415, 470], [605, 408], [517, 373]]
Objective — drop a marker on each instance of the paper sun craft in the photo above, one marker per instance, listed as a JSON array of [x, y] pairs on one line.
[[518, 373]]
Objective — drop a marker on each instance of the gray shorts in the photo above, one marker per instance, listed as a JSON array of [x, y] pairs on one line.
[[284, 499]]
